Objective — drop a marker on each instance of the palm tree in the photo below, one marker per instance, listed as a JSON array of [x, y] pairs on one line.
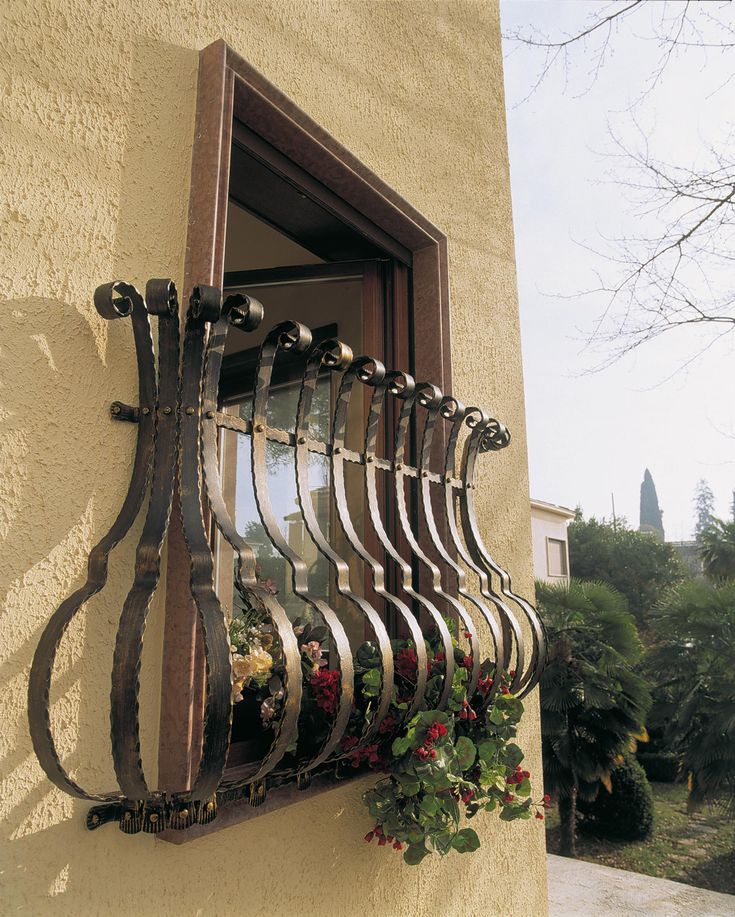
[[593, 705], [692, 661], [717, 549]]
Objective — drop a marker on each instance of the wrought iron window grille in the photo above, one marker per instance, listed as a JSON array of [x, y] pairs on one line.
[[178, 424]]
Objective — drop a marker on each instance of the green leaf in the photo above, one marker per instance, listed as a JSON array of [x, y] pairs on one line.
[[512, 756], [415, 853], [466, 752], [487, 750], [466, 840], [429, 805]]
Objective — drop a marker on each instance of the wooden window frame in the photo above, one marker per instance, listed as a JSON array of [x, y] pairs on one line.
[[229, 88]]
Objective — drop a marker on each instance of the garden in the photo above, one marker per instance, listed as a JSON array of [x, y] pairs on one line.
[[638, 704]]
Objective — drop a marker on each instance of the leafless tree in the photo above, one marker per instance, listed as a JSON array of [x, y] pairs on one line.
[[677, 270]]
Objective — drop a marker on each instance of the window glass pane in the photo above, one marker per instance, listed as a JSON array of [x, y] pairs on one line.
[[557, 556]]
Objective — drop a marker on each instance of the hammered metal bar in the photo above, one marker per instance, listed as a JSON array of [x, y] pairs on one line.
[[336, 356], [246, 314], [297, 338], [113, 300], [491, 435], [162, 301], [204, 308]]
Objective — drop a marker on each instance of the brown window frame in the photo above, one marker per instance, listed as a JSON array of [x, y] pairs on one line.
[[229, 88]]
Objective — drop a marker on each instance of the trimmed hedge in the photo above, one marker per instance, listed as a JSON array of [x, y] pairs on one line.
[[625, 814], [662, 766]]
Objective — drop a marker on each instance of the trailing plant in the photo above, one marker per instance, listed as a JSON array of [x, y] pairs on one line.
[[439, 768]]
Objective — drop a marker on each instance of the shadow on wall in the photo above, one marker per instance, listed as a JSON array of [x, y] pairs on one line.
[[64, 469]]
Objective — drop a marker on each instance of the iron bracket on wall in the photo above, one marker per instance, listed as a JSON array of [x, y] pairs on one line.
[[178, 423]]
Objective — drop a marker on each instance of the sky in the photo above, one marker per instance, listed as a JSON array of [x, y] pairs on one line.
[[592, 434]]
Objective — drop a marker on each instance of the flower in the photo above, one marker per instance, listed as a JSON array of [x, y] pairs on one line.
[[267, 710], [313, 651], [406, 662], [540, 816], [466, 662], [257, 663], [324, 684]]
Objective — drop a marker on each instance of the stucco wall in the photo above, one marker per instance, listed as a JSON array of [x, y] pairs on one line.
[[97, 119]]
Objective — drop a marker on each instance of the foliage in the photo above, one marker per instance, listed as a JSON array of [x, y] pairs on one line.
[[692, 661], [717, 548], [625, 813], [662, 766], [442, 765], [438, 766], [593, 705], [704, 504], [635, 564]]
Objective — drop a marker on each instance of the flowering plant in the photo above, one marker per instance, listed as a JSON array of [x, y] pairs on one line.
[[441, 766]]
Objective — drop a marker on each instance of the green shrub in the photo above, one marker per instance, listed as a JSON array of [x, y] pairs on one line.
[[662, 766], [626, 813]]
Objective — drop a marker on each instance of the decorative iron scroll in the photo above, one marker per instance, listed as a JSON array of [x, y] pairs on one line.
[[178, 427]]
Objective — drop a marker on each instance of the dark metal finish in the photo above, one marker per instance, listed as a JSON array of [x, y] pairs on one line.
[[178, 424]]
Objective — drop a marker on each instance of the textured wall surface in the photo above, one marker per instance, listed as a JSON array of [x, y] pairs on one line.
[[96, 116]]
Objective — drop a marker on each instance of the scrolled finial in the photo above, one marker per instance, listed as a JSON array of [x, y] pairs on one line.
[[161, 297], [400, 384], [243, 312], [369, 370], [115, 299]]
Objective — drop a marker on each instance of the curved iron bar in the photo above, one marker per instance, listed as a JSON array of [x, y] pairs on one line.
[[371, 372], [436, 405], [296, 337], [491, 435], [402, 386], [497, 633], [112, 300], [204, 308], [162, 300], [246, 313], [511, 631], [336, 357]]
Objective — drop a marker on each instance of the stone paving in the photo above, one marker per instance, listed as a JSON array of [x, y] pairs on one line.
[[580, 889]]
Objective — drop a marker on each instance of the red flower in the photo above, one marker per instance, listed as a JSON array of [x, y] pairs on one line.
[[539, 816], [509, 797], [324, 683], [484, 684], [369, 836], [468, 634], [406, 663], [349, 742], [387, 725], [466, 662], [398, 845]]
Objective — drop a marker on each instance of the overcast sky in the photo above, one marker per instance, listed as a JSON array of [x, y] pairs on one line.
[[591, 435]]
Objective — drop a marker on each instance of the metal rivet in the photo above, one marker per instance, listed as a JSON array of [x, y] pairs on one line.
[[259, 428], [115, 409], [301, 440], [336, 450], [424, 474], [399, 467], [167, 410], [210, 415], [210, 806], [146, 411], [447, 480], [154, 818], [95, 819], [190, 411], [127, 816], [369, 459], [184, 813]]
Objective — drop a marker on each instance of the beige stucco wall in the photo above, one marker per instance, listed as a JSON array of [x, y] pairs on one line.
[[96, 123]]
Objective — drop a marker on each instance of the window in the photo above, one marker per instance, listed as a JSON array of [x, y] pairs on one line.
[[556, 557], [280, 209]]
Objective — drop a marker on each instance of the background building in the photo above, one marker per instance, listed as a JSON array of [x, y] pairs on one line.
[[550, 545]]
